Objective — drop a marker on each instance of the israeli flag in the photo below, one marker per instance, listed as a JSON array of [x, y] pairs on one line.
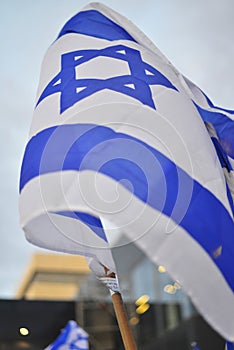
[[72, 337], [120, 145]]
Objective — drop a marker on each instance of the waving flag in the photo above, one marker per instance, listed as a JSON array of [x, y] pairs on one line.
[[72, 337], [118, 140]]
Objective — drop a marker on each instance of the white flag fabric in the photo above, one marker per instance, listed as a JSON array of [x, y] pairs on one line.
[[72, 337], [118, 136]]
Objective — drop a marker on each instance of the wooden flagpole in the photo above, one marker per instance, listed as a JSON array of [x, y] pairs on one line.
[[120, 312], [125, 330]]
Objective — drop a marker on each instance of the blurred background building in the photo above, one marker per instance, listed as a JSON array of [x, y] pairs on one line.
[[57, 288], [53, 277]]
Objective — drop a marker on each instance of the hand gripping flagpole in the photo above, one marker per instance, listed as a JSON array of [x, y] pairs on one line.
[[111, 282]]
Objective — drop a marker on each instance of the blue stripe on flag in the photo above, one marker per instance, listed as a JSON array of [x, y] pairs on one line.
[[213, 106], [230, 346], [95, 24], [155, 179], [224, 127], [224, 161], [94, 223]]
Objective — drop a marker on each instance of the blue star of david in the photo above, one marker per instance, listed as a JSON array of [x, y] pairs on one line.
[[136, 84]]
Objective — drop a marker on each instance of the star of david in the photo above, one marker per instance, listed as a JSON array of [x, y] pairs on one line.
[[136, 84]]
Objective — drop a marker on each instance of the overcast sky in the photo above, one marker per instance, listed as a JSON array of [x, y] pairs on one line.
[[197, 37]]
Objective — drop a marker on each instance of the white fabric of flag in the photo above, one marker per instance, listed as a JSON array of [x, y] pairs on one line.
[[118, 136], [71, 337]]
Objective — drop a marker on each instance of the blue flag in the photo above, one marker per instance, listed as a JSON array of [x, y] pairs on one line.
[[121, 143]]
